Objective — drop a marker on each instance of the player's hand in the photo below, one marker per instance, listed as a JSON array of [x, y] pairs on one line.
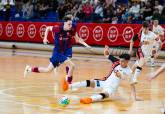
[[90, 48], [45, 41], [118, 74], [130, 52], [76, 35], [151, 76], [106, 50]]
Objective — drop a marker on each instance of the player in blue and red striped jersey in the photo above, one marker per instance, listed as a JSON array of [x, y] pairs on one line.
[[62, 51]]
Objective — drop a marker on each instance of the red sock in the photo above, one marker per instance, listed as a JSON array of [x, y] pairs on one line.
[[35, 69], [69, 79]]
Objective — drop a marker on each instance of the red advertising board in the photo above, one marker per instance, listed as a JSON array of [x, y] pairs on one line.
[[92, 33]]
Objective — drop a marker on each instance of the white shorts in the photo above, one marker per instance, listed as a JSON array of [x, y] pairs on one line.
[[105, 87]]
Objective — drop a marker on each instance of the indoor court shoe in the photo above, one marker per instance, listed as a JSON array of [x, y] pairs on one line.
[[26, 71], [134, 81], [65, 85], [86, 100]]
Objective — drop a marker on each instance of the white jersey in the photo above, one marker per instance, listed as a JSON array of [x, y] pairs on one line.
[[113, 81], [147, 48], [158, 30]]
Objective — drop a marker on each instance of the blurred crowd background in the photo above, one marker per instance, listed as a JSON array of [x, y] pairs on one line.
[[99, 11]]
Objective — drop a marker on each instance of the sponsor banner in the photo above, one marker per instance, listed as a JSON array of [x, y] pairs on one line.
[[92, 33]]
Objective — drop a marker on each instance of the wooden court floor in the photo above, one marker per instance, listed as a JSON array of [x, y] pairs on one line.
[[39, 93]]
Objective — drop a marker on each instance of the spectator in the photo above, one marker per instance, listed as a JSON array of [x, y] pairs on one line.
[[98, 11], [61, 11], [43, 9], [163, 13], [108, 14], [1, 9], [87, 9], [27, 9], [142, 9], [135, 10], [110, 2], [7, 8], [80, 14], [156, 15], [158, 6], [148, 11]]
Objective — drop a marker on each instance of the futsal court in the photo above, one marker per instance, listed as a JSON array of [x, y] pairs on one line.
[[39, 93]]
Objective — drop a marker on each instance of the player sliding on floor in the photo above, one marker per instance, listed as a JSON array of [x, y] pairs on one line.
[[62, 51], [110, 83]]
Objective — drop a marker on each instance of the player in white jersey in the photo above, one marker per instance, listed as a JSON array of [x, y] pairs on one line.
[[109, 84], [158, 30], [144, 50]]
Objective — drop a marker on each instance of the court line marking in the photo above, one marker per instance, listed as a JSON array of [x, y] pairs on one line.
[[2, 92]]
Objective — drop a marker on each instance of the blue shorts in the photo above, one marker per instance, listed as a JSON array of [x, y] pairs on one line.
[[58, 58]]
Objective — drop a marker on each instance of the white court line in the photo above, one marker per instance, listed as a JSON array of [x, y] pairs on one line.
[[2, 92]]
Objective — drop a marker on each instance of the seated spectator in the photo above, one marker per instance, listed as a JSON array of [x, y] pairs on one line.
[[108, 14], [43, 9], [7, 8], [98, 13], [27, 10], [163, 13], [156, 14], [80, 15], [135, 10], [87, 9], [158, 6], [148, 11]]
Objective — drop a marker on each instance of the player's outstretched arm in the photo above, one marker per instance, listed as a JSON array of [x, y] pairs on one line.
[[81, 41], [132, 43], [109, 56], [48, 28], [154, 75]]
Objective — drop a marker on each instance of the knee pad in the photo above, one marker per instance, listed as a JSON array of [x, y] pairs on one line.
[[88, 83], [103, 95], [139, 68]]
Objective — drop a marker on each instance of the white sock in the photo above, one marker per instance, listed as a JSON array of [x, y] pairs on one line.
[[136, 74], [152, 60], [96, 97], [78, 85]]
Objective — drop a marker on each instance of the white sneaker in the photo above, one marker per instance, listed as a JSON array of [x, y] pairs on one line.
[[134, 81], [27, 71]]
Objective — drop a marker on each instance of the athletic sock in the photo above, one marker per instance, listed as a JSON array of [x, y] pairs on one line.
[[35, 69], [79, 84], [98, 97], [136, 74]]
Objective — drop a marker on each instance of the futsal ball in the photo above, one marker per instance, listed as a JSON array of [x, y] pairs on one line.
[[64, 101]]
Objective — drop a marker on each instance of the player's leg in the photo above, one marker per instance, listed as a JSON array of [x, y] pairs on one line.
[[137, 67], [106, 93], [69, 72], [47, 69], [70, 68], [53, 64], [75, 85], [154, 55]]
